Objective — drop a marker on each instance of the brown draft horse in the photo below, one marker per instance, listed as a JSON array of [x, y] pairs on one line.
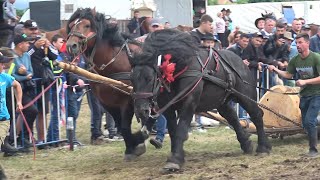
[[61, 31], [107, 51]]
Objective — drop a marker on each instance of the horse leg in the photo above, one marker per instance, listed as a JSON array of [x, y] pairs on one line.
[[179, 134], [134, 142], [230, 115], [256, 116], [172, 126]]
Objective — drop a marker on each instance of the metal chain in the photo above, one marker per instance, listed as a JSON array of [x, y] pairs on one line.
[[279, 115]]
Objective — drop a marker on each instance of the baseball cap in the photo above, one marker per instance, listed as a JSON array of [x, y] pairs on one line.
[[155, 22], [8, 52], [282, 20], [257, 34], [30, 24], [18, 29], [306, 27], [209, 38], [19, 38]]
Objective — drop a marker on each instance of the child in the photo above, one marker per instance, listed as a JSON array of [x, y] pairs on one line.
[[7, 81], [209, 41]]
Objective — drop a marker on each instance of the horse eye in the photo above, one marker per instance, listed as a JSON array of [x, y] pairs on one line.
[[87, 26]]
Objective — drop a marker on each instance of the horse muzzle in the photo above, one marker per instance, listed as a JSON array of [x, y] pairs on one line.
[[142, 112], [73, 48]]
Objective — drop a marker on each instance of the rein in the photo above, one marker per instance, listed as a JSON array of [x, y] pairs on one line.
[[191, 86]]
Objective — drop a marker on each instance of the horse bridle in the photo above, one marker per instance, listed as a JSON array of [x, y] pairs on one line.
[[84, 38], [152, 96]]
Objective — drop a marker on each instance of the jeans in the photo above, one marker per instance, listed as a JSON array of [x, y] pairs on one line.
[[241, 113], [161, 126], [53, 130], [96, 117], [74, 107], [310, 107]]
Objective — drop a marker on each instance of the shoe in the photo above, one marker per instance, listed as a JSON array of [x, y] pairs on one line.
[[7, 148], [156, 143], [97, 141], [311, 154], [200, 130], [2, 174], [42, 145], [117, 137], [208, 122]]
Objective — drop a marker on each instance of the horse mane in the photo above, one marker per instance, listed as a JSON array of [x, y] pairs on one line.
[[105, 31], [168, 41]]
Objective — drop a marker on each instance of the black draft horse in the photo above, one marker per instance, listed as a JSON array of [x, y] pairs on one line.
[[201, 95], [107, 52]]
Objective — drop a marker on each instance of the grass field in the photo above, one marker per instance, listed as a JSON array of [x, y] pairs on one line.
[[212, 155]]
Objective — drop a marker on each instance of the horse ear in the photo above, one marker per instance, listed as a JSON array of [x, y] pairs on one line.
[[94, 12]]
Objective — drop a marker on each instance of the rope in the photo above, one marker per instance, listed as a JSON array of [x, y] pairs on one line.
[[30, 134]]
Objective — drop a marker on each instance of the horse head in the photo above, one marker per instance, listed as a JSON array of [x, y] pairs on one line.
[[146, 86], [165, 55], [83, 28]]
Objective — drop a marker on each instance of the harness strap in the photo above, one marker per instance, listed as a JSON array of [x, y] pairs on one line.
[[103, 66], [120, 76]]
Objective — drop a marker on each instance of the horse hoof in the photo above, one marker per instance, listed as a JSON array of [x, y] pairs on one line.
[[262, 154], [130, 157], [263, 149], [247, 148], [140, 149], [171, 167]]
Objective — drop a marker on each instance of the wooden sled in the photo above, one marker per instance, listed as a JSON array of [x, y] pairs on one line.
[[287, 105]]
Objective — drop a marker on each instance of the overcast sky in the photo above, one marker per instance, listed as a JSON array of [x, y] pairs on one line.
[[22, 4]]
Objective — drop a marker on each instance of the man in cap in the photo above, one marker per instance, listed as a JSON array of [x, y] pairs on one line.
[[315, 42], [276, 48], [306, 29], [5, 82], [37, 53], [155, 25], [292, 47], [259, 23], [21, 69], [253, 54], [283, 21], [210, 41]]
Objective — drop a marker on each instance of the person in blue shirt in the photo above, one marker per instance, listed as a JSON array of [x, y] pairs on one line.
[[7, 81]]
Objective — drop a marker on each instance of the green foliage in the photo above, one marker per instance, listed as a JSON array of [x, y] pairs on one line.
[[20, 12], [212, 2], [215, 2], [257, 1], [242, 1]]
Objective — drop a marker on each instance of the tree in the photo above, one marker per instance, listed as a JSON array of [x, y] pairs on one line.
[[20, 12]]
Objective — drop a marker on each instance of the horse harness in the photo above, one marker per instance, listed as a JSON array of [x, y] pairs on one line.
[[205, 74]]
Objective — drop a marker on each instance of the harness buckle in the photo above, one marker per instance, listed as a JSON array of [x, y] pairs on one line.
[[102, 67]]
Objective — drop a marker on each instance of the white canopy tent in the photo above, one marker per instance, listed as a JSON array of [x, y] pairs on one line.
[[244, 15]]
